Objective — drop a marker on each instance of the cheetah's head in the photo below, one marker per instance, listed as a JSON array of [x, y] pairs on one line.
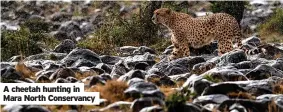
[[162, 16]]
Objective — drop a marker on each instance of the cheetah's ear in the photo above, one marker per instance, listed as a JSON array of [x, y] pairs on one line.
[[168, 11]]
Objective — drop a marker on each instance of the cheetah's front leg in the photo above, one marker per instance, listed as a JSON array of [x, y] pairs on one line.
[[179, 50]]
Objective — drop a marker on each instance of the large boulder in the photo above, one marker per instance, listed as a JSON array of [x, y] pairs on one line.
[[81, 54]]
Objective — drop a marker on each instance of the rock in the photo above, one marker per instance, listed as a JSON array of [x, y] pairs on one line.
[[131, 61], [95, 80], [25, 108], [119, 105], [72, 79], [104, 67], [143, 89], [225, 74], [134, 81], [267, 97], [253, 40], [263, 72], [232, 57], [196, 84], [257, 87], [160, 80], [61, 80], [278, 64], [178, 66], [119, 69], [62, 73], [141, 103], [222, 88], [268, 51], [81, 54], [60, 35], [215, 98], [202, 67], [188, 107], [35, 108], [60, 16], [132, 74], [127, 50], [8, 74], [155, 108], [65, 47], [141, 66], [42, 78], [46, 56], [142, 50], [244, 105], [111, 60], [16, 58], [86, 27]]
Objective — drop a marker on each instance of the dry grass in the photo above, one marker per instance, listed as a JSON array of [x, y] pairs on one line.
[[278, 88], [27, 72], [167, 90], [241, 95], [112, 91]]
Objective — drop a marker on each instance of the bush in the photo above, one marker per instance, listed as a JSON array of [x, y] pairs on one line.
[[117, 31], [22, 42], [176, 101], [272, 28], [234, 8]]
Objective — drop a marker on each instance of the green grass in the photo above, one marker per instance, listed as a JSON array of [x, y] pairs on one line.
[[272, 29]]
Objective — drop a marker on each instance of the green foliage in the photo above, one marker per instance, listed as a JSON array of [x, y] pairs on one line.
[[211, 79], [22, 42], [175, 101], [37, 26], [118, 31], [234, 8], [174, 6], [273, 25]]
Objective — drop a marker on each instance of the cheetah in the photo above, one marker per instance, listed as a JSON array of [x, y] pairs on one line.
[[197, 32]]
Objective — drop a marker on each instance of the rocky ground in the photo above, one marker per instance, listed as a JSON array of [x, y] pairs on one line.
[[243, 80]]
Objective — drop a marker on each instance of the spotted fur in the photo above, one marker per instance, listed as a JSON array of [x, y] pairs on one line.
[[197, 32]]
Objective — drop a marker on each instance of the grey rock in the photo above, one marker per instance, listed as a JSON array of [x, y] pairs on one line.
[[232, 57], [65, 47], [133, 74], [62, 73], [143, 89], [263, 72], [141, 103], [178, 66], [81, 54], [109, 59], [215, 98]]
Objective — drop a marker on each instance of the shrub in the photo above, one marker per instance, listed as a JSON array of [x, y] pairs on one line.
[[118, 31], [175, 101], [23, 42], [272, 29], [234, 8]]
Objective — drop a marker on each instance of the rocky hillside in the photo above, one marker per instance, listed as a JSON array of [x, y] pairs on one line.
[[249, 79]]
